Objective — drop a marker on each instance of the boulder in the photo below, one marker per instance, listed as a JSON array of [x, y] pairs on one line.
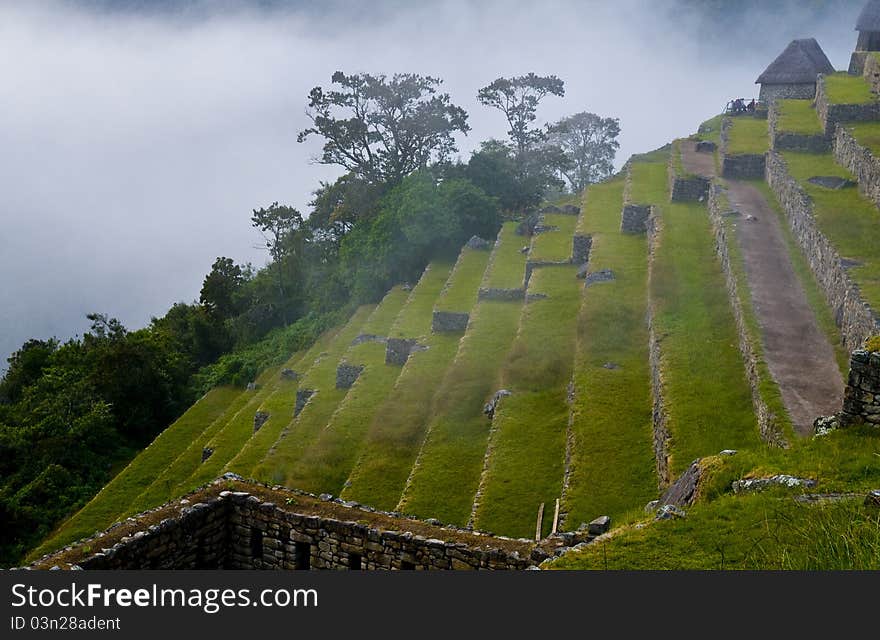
[[823, 425], [873, 498], [207, 452], [289, 374], [599, 526], [683, 491], [260, 418]]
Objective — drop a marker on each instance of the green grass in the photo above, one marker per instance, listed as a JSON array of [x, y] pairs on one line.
[[867, 134], [399, 426], [706, 392], [648, 182], [612, 460], [747, 136], [554, 246], [105, 507], [842, 88], [415, 318], [849, 221], [510, 270], [461, 293], [327, 464], [711, 130], [280, 407], [525, 465], [798, 116], [767, 530], [321, 377], [815, 298], [768, 389]]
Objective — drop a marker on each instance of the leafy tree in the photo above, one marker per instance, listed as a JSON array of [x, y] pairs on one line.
[[518, 99], [495, 170], [220, 289], [589, 143], [338, 206], [383, 129], [281, 227], [25, 367]]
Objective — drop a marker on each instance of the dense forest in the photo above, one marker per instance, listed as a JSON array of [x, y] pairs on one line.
[[73, 413]]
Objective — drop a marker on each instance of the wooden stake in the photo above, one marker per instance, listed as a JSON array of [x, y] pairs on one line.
[[555, 517], [540, 522]]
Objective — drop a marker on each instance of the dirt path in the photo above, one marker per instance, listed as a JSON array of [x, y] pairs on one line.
[[798, 354], [699, 163]]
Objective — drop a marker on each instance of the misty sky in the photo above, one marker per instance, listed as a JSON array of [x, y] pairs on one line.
[[135, 143]]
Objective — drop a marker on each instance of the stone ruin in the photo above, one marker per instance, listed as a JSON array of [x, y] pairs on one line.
[[861, 400], [398, 350], [634, 218], [260, 418], [449, 322], [302, 397], [347, 375]]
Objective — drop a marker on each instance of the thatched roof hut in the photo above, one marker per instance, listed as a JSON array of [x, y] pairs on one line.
[[793, 74]]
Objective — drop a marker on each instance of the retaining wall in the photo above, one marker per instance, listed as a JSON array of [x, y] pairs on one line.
[[860, 161], [861, 399], [832, 114], [787, 141]]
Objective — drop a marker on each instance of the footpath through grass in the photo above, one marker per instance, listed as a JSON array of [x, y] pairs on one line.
[[763, 531], [320, 378], [705, 389], [842, 88], [327, 464], [747, 136], [526, 460], [850, 221], [612, 460], [446, 474], [798, 116], [399, 425], [102, 510]]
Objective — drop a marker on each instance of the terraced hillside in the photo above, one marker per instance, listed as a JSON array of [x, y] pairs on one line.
[[689, 305]]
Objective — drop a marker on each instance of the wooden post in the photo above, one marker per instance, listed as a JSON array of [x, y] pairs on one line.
[[540, 522], [555, 517]]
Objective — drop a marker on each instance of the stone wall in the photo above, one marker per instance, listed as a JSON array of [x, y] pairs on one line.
[[659, 417], [856, 319], [634, 218], [772, 92], [302, 397], [580, 248], [252, 526], [858, 63], [871, 71], [770, 431], [507, 295], [397, 350], [347, 374], [449, 322], [739, 166], [684, 187], [861, 399], [832, 114], [786, 141], [860, 161]]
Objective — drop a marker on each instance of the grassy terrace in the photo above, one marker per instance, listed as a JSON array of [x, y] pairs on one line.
[[849, 221], [510, 270], [842, 88], [280, 407], [327, 464], [105, 507], [711, 130], [525, 466], [283, 465], [554, 246], [189, 458], [321, 377], [768, 389], [767, 530], [612, 461], [398, 427], [798, 116], [747, 136], [447, 472], [867, 134], [707, 395]]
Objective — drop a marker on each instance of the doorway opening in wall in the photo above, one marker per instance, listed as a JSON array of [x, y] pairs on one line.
[[302, 556], [354, 561], [256, 544], [407, 566]]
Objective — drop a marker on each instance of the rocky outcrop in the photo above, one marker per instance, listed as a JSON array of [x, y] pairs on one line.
[[857, 321]]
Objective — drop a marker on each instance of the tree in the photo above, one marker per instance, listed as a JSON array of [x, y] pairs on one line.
[[338, 206], [219, 289], [388, 128], [25, 367], [589, 143], [515, 186], [280, 227], [518, 99]]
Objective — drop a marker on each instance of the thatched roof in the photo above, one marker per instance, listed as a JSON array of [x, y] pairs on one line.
[[800, 63], [869, 18]]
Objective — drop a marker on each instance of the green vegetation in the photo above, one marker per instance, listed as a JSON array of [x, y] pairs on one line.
[[842, 88], [815, 297], [768, 390], [711, 130], [707, 396], [849, 221], [554, 246], [329, 461], [866, 134], [798, 116], [112, 500], [510, 270], [447, 472], [873, 344], [767, 530], [399, 425], [527, 448], [612, 461], [747, 136]]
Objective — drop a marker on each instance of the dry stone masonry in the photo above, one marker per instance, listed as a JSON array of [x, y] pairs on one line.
[[260, 418], [580, 248], [302, 397], [861, 400], [449, 322], [347, 375], [685, 187], [857, 321], [832, 114], [787, 141], [397, 350], [739, 166], [860, 161]]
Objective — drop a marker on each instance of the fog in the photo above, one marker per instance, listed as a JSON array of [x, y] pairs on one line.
[[135, 143]]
